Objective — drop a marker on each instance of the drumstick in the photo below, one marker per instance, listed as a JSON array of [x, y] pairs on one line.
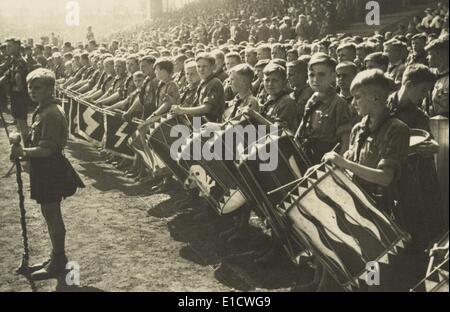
[[298, 180]]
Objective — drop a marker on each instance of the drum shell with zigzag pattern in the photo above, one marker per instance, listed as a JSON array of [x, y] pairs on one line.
[[341, 225]]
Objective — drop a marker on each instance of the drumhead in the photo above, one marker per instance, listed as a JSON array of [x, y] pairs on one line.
[[417, 137]]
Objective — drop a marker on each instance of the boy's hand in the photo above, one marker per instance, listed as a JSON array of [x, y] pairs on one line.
[[212, 126], [335, 158], [16, 152], [427, 148], [176, 110]]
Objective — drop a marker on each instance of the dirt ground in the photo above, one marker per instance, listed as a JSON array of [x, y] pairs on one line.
[[125, 239]]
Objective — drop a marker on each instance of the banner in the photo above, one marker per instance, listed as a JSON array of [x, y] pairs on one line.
[[73, 118], [117, 134], [90, 122], [97, 125]]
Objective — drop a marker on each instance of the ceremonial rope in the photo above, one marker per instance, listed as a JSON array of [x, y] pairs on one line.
[[24, 267]]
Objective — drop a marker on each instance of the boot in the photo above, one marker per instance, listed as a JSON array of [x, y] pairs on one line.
[[39, 266], [54, 269]]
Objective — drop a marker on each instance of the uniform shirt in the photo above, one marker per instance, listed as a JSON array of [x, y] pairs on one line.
[[127, 88], [238, 104], [42, 60], [274, 32], [355, 118], [417, 58], [18, 67], [59, 71], [116, 86], [166, 88], [107, 83], [286, 33], [88, 73], [228, 91], [440, 96], [180, 79], [49, 128], [395, 72], [301, 97], [31, 61], [411, 114], [147, 95], [262, 33], [100, 80], [419, 185], [382, 146], [80, 72], [221, 75], [211, 94], [328, 119], [281, 109], [94, 79], [188, 95]]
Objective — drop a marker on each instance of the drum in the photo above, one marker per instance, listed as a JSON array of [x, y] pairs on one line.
[[290, 163], [161, 141], [417, 137], [436, 279], [341, 225], [216, 176]]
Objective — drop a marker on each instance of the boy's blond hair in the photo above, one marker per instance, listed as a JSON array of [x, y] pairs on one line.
[[43, 74]]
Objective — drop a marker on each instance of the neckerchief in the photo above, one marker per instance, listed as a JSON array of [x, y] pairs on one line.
[[158, 91], [363, 135], [309, 110], [186, 92], [269, 103], [202, 84]]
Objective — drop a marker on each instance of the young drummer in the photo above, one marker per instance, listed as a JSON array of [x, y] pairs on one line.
[[419, 186], [210, 93], [379, 144], [167, 89], [327, 117], [49, 170], [280, 107]]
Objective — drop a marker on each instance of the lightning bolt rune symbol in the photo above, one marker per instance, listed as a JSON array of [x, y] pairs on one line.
[[122, 135], [92, 125]]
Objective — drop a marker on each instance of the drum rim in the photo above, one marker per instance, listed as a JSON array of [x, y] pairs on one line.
[[419, 133]]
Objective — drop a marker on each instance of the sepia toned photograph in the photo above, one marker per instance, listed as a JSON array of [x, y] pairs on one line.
[[234, 147]]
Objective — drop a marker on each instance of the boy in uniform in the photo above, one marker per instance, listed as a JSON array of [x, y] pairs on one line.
[[297, 74], [378, 146], [438, 59], [419, 185], [327, 117], [49, 170], [345, 73]]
